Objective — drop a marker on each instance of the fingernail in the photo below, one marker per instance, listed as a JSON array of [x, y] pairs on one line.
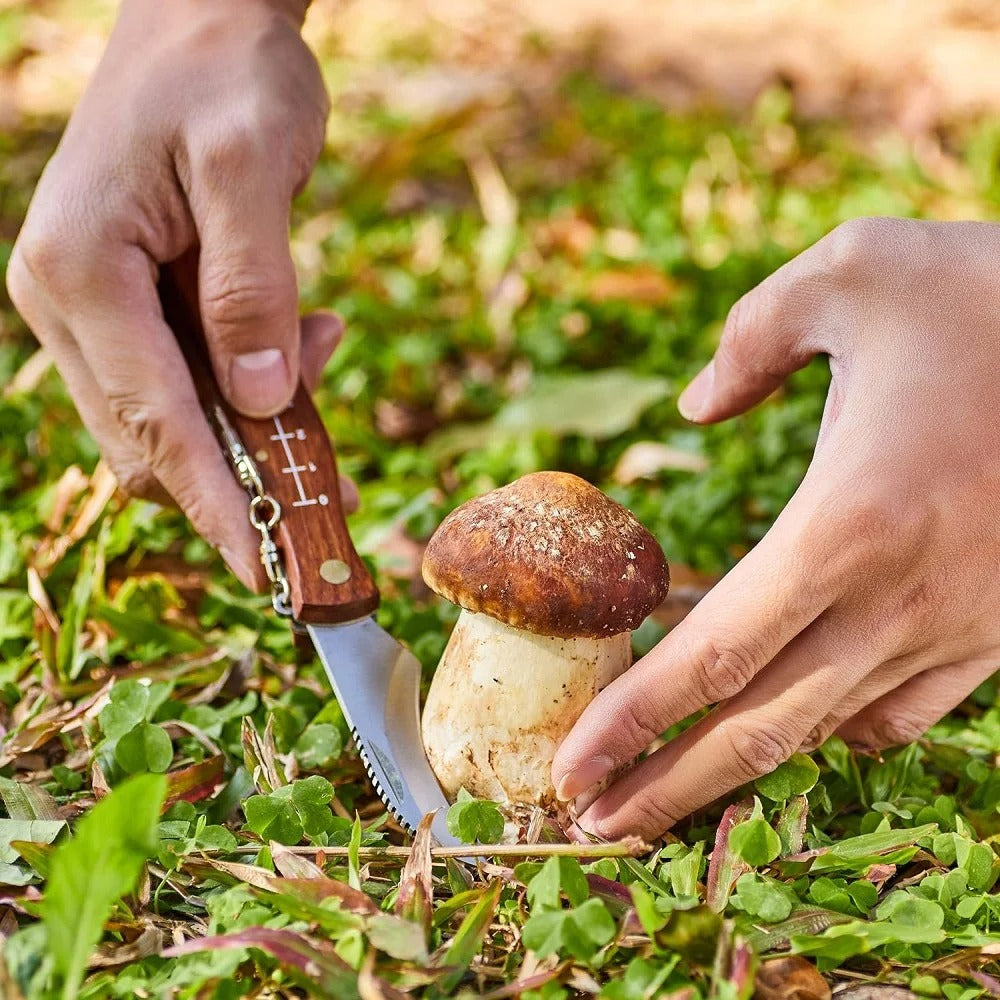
[[582, 777], [694, 399], [259, 382]]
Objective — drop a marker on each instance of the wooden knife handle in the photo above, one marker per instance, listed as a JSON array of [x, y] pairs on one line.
[[328, 581]]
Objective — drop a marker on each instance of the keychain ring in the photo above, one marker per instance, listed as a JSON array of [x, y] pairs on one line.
[[258, 519]]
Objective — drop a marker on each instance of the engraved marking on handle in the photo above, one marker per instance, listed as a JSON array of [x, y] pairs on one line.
[[293, 469]]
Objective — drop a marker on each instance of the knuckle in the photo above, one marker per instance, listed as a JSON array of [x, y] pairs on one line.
[[140, 418], [898, 728], [850, 242], [876, 528], [638, 719], [242, 294], [757, 749], [648, 814], [256, 126], [227, 151], [856, 247], [20, 281], [883, 530], [36, 262], [868, 529], [146, 423], [874, 525], [657, 813], [724, 670], [818, 735], [59, 257], [137, 481], [923, 601]]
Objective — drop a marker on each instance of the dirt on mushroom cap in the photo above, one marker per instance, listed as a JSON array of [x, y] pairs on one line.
[[551, 554]]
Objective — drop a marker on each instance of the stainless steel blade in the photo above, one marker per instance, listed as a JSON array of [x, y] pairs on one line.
[[377, 682]]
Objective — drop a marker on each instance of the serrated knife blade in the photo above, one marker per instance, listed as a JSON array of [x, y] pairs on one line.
[[377, 682]]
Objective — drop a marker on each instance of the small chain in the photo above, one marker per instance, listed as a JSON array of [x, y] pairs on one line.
[[265, 513]]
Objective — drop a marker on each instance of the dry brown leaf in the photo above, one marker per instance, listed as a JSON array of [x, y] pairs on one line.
[[875, 991], [580, 979], [508, 295], [37, 593], [644, 285], [100, 490], [149, 942], [98, 783], [415, 898], [568, 234], [497, 203], [293, 865], [791, 977], [878, 875], [64, 717], [646, 458], [29, 375], [260, 878], [525, 982], [259, 756], [71, 484]]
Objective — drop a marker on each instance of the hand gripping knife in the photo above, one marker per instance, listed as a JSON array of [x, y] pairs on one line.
[[287, 464]]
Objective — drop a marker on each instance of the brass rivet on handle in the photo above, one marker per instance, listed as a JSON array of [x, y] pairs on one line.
[[335, 571], [261, 455]]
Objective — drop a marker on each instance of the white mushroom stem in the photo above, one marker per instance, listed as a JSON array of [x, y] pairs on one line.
[[502, 701]]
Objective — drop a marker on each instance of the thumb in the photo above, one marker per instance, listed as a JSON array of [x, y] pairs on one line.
[[765, 339], [249, 299]]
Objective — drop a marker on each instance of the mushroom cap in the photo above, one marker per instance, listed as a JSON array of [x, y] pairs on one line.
[[550, 554]]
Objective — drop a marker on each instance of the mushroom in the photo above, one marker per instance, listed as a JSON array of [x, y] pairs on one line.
[[552, 575]]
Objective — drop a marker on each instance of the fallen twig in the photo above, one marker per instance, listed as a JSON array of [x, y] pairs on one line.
[[629, 847]]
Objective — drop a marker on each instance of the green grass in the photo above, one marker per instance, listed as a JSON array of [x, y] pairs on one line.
[[634, 232]]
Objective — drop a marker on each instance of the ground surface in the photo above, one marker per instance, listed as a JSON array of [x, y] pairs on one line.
[[532, 259]]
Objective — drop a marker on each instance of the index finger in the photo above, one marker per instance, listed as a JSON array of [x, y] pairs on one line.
[[138, 365], [741, 740], [731, 635]]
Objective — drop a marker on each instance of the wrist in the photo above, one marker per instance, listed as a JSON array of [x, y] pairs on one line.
[[294, 10]]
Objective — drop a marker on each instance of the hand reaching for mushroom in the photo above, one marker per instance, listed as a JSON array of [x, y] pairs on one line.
[[871, 607]]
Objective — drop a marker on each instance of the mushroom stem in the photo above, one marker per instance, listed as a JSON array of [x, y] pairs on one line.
[[502, 701]]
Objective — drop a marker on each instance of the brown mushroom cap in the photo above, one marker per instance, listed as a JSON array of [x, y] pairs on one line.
[[550, 554]]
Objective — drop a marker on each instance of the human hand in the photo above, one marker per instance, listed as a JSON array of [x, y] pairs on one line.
[[870, 608], [200, 124]]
